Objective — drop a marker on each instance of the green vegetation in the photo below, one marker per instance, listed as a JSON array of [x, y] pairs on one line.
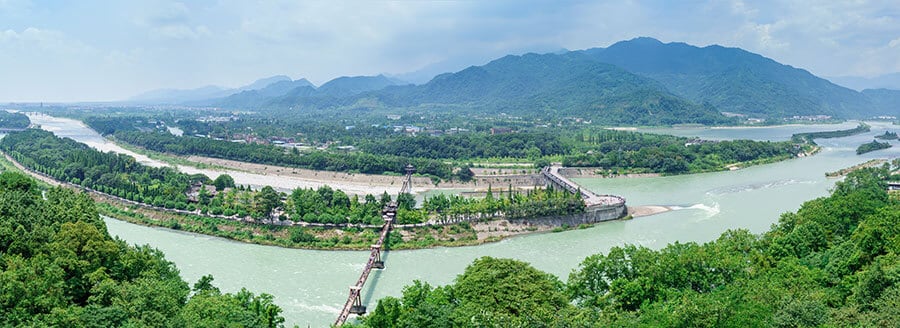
[[884, 101], [810, 137], [13, 120], [119, 175], [888, 135], [60, 268], [833, 263], [111, 173], [872, 146], [641, 152], [448, 156], [558, 86], [735, 80], [346, 238], [273, 155], [845, 171]]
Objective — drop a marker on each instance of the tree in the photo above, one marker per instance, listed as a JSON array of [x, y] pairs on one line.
[[265, 201], [223, 181]]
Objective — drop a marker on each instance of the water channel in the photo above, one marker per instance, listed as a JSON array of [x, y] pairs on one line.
[[312, 285]]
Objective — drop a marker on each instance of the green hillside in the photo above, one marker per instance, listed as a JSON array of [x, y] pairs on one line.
[[541, 86], [734, 80], [885, 100]]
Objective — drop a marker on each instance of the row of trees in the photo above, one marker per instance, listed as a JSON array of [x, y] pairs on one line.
[[525, 145], [674, 156], [833, 263], [810, 137], [119, 175], [68, 160], [61, 268], [13, 120], [273, 155], [872, 146]]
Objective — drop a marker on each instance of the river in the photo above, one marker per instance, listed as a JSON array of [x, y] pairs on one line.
[[311, 286]]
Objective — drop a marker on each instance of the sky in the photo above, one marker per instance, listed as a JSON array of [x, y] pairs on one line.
[[66, 51]]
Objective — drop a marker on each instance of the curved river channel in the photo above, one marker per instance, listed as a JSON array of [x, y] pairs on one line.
[[311, 286]]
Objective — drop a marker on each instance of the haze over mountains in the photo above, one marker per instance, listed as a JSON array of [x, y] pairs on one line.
[[639, 81]]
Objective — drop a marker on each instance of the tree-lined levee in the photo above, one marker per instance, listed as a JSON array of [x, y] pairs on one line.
[[124, 181]]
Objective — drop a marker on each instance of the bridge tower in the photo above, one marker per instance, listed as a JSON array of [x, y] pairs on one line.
[[379, 263], [407, 183], [357, 307]]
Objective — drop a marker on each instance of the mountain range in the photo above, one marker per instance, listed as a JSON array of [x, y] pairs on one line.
[[886, 81], [639, 81], [734, 80]]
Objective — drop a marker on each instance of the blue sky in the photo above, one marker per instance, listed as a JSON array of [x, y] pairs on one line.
[[107, 50]]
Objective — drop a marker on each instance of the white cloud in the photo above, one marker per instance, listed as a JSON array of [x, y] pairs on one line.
[[145, 44], [171, 20], [894, 43], [44, 40], [179, 32]]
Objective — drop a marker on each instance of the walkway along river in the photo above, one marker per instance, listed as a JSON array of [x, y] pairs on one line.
[[312, 285]]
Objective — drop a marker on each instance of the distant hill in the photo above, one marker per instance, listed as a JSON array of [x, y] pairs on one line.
[[286, 93], [886, 81], [174, 96], [254, 98], [550, 85], [204, 94], [733, 80], [885, 100], [265, 82], [348, 86]]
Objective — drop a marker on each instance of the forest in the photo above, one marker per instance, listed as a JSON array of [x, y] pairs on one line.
[[119, 175], [10, 120], [888, 135], [872, 146], [447, 156], [833, 263], [355, 162], [61, 268], [810, 137]]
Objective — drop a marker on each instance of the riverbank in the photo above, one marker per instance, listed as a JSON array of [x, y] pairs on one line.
[[336, 239], [845, 171], [461, 232], [285, 178]]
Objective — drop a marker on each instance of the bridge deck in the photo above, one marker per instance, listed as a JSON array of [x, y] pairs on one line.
[[591, 199], [390, 213]]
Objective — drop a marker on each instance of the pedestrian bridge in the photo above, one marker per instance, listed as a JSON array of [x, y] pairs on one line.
[[592, 201]]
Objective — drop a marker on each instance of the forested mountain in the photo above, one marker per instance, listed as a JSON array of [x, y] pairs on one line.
[[265, 82], [887, 101], [733, 80], [886, 81], [252, 98], [351, 85], [534, 85], [639, 81]]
